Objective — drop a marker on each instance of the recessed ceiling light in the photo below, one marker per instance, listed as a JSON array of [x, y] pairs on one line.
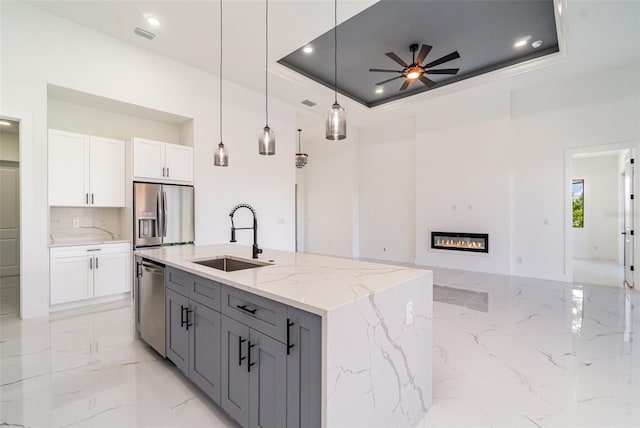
[[521, 42], [379, 90], [4, 123], [153, 21], [307, 49], [536, 44]]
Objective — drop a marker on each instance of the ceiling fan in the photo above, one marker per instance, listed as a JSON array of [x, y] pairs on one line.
[[416, 71]]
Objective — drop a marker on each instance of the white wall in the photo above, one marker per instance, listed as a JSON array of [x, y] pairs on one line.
[[102, 123], [463, 173], [331, 194], [387, 191], [598, 239], [591, 110], [9, 147], [39, 49]]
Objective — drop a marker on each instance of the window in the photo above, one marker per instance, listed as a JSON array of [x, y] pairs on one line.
[[578, 203]]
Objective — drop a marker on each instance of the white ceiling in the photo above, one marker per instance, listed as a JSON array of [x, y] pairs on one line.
[[599, 34]]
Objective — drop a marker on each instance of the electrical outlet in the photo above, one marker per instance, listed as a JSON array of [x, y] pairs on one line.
[[409, 314], [75, 223]]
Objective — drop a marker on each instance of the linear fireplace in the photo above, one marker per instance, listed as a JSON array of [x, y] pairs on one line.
[[475, 242]]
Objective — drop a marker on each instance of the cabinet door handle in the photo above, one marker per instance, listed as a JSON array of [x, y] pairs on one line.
[[163, 169], [249, 363], [167, 171], [289, 345], [244, 308], [182, 321], [86, 198], [92, 199], [188, 324], [96, 262], [91, 263], [240, 357]]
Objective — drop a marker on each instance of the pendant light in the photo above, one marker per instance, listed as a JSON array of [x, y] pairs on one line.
[[336, 127], [221, 156], [267, 140], [301, 158]]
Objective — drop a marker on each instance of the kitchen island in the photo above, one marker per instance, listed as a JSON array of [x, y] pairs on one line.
[[374, 331]]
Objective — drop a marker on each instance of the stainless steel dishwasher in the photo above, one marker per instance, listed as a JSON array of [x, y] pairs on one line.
[[152, 311]]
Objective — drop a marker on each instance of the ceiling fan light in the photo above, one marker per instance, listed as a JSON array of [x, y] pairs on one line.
[[414, 73], [336, 125], [267, 142], [221, 156]]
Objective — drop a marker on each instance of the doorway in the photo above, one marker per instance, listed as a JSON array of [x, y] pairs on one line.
[[9, 218], [601, 217]]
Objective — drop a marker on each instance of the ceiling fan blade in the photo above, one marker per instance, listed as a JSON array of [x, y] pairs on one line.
[[428, 82], [443, 71], [405, 85], [388, 80], [381, 70], [446, 58], [424, 51], [397, 59]]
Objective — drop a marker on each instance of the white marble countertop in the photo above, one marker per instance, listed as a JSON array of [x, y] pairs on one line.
[[310, 282], [86, 242]]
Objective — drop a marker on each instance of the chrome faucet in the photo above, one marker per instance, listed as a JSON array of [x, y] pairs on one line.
[[256, 250]]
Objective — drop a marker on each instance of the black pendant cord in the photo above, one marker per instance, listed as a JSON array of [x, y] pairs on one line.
[[299, 130], [220, 71], [335, 50], [266, 62]]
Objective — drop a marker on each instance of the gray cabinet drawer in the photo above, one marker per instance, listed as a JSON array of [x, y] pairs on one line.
[[178, 281], [201, 290], [259, 313], [206, 292]]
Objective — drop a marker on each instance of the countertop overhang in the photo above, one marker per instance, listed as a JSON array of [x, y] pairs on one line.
[[310, 282]]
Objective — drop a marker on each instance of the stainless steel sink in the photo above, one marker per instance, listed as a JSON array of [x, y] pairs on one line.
[[229, 264]]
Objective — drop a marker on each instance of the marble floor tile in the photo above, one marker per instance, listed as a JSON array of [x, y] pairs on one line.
[[601, 272], [543, 354]]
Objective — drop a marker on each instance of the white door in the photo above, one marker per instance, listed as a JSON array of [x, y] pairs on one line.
[[111, 274], [71, 279], [107, 175], [68, 169], [628, 223], [148, 159], [9, 219], [179, 162]]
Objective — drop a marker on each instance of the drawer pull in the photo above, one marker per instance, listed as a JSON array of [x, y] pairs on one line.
[[240, 357], [289, 325], [188, 323], [249, 363], [244, 308], [182, 321], [94, 249]]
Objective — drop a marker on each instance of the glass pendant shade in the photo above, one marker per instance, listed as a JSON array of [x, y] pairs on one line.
[[267, 142], [221, 157], [336, 123], [301, 160]]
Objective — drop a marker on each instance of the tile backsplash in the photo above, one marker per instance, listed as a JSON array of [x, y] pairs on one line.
[[93, 224]]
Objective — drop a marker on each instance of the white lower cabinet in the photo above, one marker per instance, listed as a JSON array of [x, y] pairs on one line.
[[88, 271]]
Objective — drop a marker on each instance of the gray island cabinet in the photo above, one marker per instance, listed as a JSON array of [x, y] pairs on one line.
[[301, 340], [260, 360]]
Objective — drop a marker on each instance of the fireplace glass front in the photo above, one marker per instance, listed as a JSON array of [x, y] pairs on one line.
[[475, 242]]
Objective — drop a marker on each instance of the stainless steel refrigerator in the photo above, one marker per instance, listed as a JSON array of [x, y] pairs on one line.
[[162, 214]]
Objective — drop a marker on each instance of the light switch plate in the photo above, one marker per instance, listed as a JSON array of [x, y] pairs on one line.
[[75, 223]]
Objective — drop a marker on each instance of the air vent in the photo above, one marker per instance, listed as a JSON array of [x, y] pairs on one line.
[[308, 103], [144, 33]]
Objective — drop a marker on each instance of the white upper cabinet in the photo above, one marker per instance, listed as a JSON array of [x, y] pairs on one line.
[[68, 168], [86, 170], [148, 158], [160, 161], [106, 172], [179, 162]]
